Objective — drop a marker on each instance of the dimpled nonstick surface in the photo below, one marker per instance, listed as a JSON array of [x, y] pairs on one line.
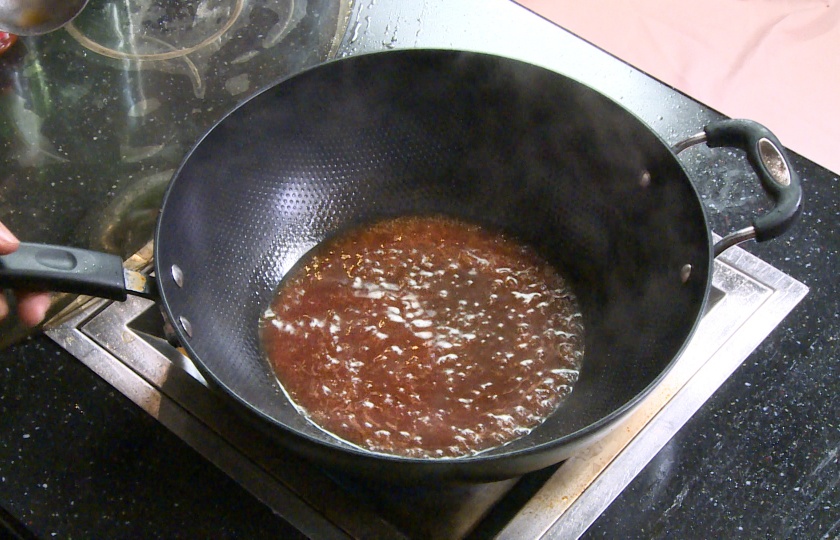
[[482, 138]]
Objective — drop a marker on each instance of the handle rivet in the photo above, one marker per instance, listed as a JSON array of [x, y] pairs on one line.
[[644, 181], [685, 272], [178, 275], [185, 324]]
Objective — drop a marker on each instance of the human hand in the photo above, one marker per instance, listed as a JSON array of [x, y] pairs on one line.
[[32, 306]]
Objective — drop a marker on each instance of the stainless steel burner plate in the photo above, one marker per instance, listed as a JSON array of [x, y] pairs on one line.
[[114, 339]]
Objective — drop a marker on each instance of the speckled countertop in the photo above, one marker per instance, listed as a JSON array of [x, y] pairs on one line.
[[77, 459]]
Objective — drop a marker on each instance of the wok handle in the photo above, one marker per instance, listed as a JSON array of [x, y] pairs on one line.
[[770, 162], [63, 269]]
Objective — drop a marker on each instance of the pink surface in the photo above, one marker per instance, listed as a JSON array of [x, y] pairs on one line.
[[773, 61]]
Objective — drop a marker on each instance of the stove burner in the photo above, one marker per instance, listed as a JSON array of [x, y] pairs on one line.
[[184, 36], [153, 30]]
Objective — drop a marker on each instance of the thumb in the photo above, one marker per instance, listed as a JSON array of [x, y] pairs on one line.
[[8, 241]]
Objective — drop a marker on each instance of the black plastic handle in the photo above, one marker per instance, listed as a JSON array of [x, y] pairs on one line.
[[62, 269], [769, 160]]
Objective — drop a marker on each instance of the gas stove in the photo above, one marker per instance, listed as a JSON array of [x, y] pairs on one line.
[[126, 343]]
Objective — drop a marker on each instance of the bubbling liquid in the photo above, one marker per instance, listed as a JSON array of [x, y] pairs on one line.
[[424, 337]]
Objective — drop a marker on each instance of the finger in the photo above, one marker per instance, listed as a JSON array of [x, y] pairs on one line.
[[32, 307], [4, 307], [8, 241]]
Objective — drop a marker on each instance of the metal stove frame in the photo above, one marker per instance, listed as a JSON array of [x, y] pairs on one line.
[[749, 300]]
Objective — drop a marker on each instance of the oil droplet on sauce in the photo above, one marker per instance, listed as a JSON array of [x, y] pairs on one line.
[[424, 337]]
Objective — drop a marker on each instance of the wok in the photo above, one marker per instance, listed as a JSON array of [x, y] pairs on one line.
[[479, 137]]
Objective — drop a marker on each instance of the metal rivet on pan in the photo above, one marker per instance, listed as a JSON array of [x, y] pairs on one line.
[[685, 272], [644, 181], [177, 275], [185, 324]]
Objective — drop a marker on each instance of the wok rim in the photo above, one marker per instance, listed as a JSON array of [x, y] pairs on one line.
[[472, 467]]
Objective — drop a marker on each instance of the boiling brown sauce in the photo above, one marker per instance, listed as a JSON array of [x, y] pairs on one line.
[[425, 337]]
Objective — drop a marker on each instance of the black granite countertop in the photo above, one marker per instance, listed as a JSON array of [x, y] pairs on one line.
[[78, 459]]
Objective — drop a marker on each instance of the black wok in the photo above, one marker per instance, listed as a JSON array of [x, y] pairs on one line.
[[483, 138]]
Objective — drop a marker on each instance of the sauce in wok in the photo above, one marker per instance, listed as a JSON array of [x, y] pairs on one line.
[[424, 337]]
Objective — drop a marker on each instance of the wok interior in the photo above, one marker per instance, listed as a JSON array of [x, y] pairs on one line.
[[489, 140]]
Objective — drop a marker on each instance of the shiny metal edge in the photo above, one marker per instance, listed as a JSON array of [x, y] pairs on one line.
[[734, 238], [757, 298], [346, 11], [688, 142], [267, 486]]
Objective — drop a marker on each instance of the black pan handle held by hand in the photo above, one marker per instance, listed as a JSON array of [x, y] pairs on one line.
[[63, 269], [770, 162]]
